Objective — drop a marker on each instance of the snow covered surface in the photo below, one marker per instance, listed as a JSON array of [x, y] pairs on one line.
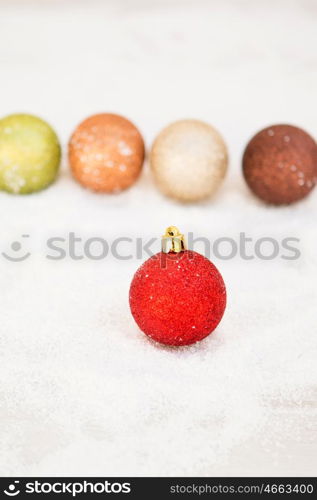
[[82, 390]]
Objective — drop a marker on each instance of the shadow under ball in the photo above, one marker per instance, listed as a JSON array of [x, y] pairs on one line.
[[106, 153], [280, 164], [189, 160]]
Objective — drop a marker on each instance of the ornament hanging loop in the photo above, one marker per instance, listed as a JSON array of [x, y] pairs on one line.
[[173, 241]]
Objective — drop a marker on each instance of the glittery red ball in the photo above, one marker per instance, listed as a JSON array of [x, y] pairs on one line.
[[177, 298]]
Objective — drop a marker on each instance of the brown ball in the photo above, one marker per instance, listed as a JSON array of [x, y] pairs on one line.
[[280, 164], [106, 153]]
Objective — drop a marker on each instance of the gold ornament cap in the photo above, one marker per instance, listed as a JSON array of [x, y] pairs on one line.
[[173, 241]]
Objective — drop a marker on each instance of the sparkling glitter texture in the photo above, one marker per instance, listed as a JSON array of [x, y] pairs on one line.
[[106, 153], [29, 154], [189, 160], [280, 164], [177, 298]]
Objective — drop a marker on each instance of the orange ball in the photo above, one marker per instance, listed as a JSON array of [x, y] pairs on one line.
[[106, 153]]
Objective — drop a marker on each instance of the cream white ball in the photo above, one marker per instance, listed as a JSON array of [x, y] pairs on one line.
[[189, 160]]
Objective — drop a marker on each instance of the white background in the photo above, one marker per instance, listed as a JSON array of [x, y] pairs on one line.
[[83, 391]]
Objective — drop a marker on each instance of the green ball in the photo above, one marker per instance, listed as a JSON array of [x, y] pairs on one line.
[[30, 154]]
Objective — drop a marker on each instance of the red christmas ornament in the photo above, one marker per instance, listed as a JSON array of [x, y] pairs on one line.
[[177, 297]]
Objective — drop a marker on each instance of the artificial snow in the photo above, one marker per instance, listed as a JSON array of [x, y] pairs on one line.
[[83, 391]]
